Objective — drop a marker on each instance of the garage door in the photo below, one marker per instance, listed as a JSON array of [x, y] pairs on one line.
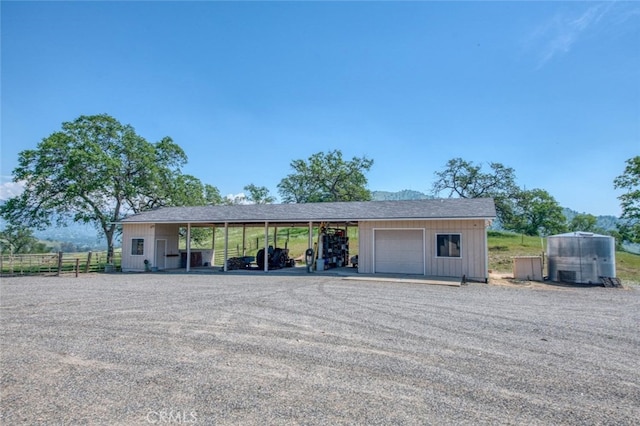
[[399, 251]]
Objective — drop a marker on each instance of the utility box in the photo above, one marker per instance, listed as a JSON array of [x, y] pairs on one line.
[[527, 268]]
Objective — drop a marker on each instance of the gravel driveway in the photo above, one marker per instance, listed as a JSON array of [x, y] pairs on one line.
[[265, 349]]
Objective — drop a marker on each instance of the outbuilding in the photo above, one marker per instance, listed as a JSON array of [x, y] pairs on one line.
[[434, 237]]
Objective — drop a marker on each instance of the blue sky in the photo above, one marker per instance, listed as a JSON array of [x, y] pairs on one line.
[[551, 89]]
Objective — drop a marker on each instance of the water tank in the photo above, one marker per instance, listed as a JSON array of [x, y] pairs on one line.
[[581, 257]]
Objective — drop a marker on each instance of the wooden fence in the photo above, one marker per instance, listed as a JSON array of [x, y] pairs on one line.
[[58, 263]]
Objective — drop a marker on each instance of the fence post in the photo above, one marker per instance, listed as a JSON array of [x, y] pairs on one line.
[[86, 268], [59, 263], [77, 266]]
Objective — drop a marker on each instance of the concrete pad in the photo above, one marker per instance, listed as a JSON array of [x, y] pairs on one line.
[[438, 281]]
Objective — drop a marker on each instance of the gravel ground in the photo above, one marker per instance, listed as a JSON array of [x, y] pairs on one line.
[[264, 349]]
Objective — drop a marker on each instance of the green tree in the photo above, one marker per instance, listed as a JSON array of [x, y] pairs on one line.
[[259, 194], [97, 170], [583, 222], [536, 212], [629, 181], [18, 239], [463, 179], [187, 190], [326, 177]]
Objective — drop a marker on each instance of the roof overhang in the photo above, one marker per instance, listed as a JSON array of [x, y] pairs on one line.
[[333, 213]]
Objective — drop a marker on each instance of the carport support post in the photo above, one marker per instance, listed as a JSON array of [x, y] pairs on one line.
[[244, 238], [86, 268], [213, 246], [226, 244], [487, 224], [266, 246], [188, 265], [310, 235], [320, 254]]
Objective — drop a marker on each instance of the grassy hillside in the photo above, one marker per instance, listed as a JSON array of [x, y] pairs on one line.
[[503, 246]]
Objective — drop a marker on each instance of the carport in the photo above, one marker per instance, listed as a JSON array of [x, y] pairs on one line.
[[439, 237]]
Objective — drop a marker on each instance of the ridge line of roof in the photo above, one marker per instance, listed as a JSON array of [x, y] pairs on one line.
[[429, 209]]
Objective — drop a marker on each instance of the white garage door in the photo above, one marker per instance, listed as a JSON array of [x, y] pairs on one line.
[[399, 251]]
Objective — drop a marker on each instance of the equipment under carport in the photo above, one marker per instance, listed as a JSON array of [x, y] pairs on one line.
[[333, 248], [277, 258], [243, 262]]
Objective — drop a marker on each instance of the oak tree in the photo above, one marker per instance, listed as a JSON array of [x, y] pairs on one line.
[[536, 212], [259, 194], [464, 179], [18, 239], [96, 170], [326, 177], [629, 181], [583, 222]]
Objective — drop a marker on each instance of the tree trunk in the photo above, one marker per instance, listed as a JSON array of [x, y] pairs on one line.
[[108, 234]]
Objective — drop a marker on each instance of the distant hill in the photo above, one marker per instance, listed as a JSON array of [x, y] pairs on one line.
[[82, 235], [78, 234], [607, 223]]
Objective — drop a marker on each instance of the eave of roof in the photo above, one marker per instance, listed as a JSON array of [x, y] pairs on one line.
[[432, 209]]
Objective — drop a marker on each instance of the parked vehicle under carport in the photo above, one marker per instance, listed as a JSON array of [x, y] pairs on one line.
[[277, 258]]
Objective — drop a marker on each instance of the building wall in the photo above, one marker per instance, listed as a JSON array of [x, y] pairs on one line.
[[135, 262], [171, 259], [472, 262], [151, 234]]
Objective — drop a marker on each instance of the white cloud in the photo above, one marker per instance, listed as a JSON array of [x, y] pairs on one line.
[[10, 189], [558, 35]]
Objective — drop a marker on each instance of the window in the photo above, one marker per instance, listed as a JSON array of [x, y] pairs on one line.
[[448, 245], [137, 246]]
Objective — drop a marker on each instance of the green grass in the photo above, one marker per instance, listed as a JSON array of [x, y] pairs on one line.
[[504, 246], [295, 239], [628, 266], [47, 263]]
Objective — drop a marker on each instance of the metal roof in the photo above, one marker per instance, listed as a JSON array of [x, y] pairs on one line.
[[446, 208], [579, 234]]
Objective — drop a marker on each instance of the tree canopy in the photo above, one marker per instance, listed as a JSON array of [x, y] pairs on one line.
[[630, 200], [463, 179], [97, 170], [17, 239], [259, 194], [536, 212], [584, 222], [326, 177]]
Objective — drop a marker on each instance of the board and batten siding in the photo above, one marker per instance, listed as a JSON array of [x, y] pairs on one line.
[[170, 233], [473, 260], [146, 231]]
